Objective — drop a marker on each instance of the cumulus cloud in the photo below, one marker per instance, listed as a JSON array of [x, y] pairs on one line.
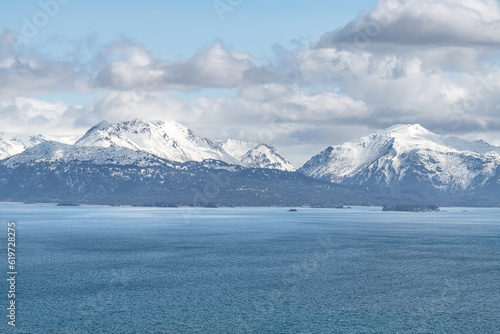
[[25, 72], [422, 23], [400, 88], [213, 67], [407, 61], [452, 35], [431, 62]]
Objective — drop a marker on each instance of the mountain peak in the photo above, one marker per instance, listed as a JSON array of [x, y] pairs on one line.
[[406, 151], [14, 144], [165, 139], [102, 125], [140, 124], [255, 155], [145, 122], [407, 129], [266, 156]]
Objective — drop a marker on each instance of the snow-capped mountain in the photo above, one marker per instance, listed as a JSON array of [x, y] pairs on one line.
[[51, 151], [256, 155], [266, 156], [165, 139], [141, 162], [406, 155], [12, 144]]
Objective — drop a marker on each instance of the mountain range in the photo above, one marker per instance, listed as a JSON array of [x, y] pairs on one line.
[[165, 163], [408, 156]]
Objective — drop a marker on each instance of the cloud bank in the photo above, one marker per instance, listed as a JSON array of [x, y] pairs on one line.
[[408, 61]]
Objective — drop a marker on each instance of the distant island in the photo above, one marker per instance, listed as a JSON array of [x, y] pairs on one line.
[[411, 208]]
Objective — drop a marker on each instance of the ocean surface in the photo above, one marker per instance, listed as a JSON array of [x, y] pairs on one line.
[[124, 270]]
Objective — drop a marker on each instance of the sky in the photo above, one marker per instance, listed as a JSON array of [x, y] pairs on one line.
[[298, 75]]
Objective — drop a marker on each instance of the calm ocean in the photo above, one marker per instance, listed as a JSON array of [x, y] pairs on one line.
[[252, 270]]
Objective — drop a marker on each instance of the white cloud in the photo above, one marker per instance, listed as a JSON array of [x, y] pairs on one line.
[[25, 72], [408, 61], [422, 23], [33, 116], [214, 66]]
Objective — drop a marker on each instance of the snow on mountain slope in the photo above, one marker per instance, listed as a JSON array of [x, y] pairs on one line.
[[266, 156], [407, 152], [165, 139], [256, 155], [51, 151], [12, 144]]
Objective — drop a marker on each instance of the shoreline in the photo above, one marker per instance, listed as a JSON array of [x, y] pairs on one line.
[[346, 208]]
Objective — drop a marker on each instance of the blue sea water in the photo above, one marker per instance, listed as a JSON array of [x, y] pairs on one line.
[[253, 270]]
